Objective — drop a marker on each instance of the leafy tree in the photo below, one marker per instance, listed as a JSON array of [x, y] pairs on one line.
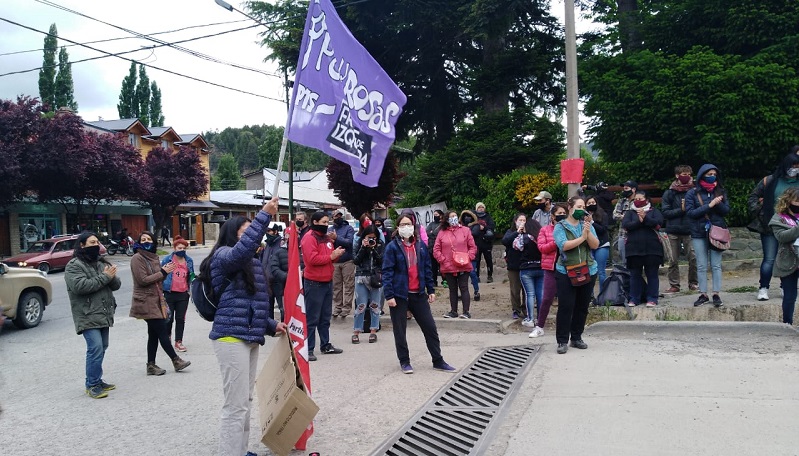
[[20, 122], [174, 178], [143, 96], [228, 176], [128, 106], [358, 198], [48, 71], [64, 89], [156, 114]]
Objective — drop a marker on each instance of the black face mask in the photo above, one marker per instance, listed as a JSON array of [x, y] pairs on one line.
[[467, 220], [561, 217], [92, 252], [794, 209], [626, 193], [437, 219], [300, 223], [339, 221], [542, 206], [591, 208], [321, 229]]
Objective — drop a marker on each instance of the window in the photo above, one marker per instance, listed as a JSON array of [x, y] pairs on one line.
[[133, 139], [165, 144]]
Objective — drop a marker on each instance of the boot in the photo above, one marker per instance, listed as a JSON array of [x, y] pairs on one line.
[[180, 364], [152, 369]]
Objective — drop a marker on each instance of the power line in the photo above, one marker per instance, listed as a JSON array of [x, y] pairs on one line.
[[146, 64]]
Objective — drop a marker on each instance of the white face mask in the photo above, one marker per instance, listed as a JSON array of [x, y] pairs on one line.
[[406, 231], [453, 221], [793, 172]]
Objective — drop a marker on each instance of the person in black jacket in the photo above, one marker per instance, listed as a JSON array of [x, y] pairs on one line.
[[278, 273], [600, 222], [368, 261], [484, 241], [530, 271], [272, 241], [643, 248], [512, 257], [432, 231], [678, 227]]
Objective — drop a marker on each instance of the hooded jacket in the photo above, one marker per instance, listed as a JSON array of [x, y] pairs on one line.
[[344, 235], [701, 212], [458, 239], [547, 247], [786, 230], [90, 294]]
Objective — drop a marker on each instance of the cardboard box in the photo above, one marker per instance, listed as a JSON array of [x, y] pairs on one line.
[[284, 408]]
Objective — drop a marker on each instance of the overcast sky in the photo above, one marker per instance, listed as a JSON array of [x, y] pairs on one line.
[[188, 106]]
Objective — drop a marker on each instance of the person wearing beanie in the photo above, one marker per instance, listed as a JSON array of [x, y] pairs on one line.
[[176, 288], [485, 241]]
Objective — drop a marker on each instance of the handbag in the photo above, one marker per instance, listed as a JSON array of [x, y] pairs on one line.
[[718, 237], [460, 258], [578, 274], [376, 279], [668, 253], [166, 311]]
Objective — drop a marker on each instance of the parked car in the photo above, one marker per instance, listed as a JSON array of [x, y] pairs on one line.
[[48, 255], [24, 293]]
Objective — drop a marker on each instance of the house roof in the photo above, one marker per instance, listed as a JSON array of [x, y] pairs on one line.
[[119, 125], [190, 138], [165, 133], [247, 198], [299, 176]]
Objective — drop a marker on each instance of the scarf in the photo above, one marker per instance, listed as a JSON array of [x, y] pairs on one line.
[[708, 186], [677, 186]]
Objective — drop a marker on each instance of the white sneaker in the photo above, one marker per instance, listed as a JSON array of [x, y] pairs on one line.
[[528, 323], [762, 294], [537, 332]]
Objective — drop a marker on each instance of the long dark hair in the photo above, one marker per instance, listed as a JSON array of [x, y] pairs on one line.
[[228, 237]]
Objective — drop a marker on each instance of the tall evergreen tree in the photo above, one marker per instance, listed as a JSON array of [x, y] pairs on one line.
[[128, 106], [156, 116], [64, 87], [47, 73], [143, 96]]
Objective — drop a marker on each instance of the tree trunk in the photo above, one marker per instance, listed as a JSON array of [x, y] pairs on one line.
[[495, 94], [629, 22]]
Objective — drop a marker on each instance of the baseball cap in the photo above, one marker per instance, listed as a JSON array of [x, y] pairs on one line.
[[630, 183], [340, 211], [543, 195]]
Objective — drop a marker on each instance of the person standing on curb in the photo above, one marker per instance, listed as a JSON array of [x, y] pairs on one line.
[[343, 269], [513, 256], [784, 225], [91, 281], [455, 240], [645, 251], [176, 288], [408, 287], [485, 242], [678, 227], [549, 252]]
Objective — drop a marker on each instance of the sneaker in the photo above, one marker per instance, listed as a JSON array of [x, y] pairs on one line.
[[250, 453], [443, 366], [701, 300], [329, 349], [562, 348], [466, 315], [651, 304], [631, 304], [717, 301], [179, 346], [476, 295], [673, 289], [180, 364], [762, 294], [515, 315], [490, 279], [451, 314], [537, 332], [406, 369], [578, 343], [528, 323], [311, 356], [96, 392], [444, 284], [107, 386], [153, 369]]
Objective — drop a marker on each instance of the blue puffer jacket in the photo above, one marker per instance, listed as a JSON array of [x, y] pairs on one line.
[[240, 314], [167, 285], [700, 212], [395, 269]]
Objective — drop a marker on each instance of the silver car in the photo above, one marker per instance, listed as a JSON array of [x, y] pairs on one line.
[[24, 293]]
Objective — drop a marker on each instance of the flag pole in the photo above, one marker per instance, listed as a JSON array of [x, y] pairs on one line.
[[280, 164]]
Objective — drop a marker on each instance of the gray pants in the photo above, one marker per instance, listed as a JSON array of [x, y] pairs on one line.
[[684, 241], [343, 288], [238, 363]]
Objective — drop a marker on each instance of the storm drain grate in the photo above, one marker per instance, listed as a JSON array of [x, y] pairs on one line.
[[462, 415]]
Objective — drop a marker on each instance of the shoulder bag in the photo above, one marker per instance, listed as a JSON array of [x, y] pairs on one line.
[[460, 258], [718, 237]]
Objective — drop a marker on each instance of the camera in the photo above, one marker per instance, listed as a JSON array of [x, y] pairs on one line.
[[371, 242], [600, 186]]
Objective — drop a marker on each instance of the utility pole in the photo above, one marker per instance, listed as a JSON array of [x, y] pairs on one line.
[[572, 112]]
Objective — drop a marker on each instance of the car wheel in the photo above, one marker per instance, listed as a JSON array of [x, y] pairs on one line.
[[44, 267], [29, 310]]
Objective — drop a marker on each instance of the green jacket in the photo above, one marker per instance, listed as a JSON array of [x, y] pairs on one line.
[[90, 294], [787, 259]]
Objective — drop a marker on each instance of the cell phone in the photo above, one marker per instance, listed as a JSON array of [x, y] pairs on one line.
[[330, 229]]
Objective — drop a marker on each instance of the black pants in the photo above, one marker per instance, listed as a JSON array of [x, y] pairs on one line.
[[165, 240], [417, 305], [485, 253], [435, 267], [455, 283], [178, 303], [158, 331], [572, 308], [650, 265]]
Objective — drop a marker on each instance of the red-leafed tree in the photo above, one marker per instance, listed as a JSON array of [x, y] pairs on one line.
[[359, 198], [20, 124], [174, 178]]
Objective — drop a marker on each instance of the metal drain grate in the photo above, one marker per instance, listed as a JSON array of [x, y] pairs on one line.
[[462, 415]]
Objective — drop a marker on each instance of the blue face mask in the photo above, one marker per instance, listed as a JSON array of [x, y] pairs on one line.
[[709, 179], [181, 253], [148, 246]]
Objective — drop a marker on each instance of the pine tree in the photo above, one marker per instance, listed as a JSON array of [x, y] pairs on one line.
[[64, 87], [143, 96], [156, 116], [47, 73], [128, 106]]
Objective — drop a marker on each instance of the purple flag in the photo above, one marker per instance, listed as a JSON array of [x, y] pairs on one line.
[[344, 104]]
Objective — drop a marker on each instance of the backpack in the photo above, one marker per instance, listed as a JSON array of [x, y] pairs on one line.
[[611, 292], [205, 300]]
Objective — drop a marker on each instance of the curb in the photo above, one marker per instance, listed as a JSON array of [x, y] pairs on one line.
[[707, 328]]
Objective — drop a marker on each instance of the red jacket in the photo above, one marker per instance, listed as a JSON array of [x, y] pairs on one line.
[[547, 247], [458, 238], [316, 252]]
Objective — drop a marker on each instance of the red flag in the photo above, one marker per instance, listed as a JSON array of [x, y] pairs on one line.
[[294, 305]]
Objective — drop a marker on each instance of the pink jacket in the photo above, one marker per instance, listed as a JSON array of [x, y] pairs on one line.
[[458, 238], [547, 247]]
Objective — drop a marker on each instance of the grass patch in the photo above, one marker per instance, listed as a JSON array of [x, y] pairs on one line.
[[747, 289], [670, 317]]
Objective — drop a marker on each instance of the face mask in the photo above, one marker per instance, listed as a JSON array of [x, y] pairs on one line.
[[320, 229], [437, 219], [338, 221], [467, 220], [300, 223], [591, 208], [379, 226], [684, 179], [626, 193], [578, 214], [148, 246], [639, 203], [480, 213], [453, 221], [367, 223], [709, 179], [181, 253], [793, 172], [92, 252], [794, 208], [542, 206], [560, 218], [405, 231], [270, 238]]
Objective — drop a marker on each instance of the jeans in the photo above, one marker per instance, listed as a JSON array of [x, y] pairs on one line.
[[158, 332], [769, 244], [650, 265], [474, 274], [366, 297], [623, 249], [343, 287], [419, 307], [96, 345], [677, 241], [572, 308], [238, 363], [550, 291], [178, 303], [533, 284], [601, 256], [455, 283], [515, 282], [789, 292], [703, 251], [319, 311]]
